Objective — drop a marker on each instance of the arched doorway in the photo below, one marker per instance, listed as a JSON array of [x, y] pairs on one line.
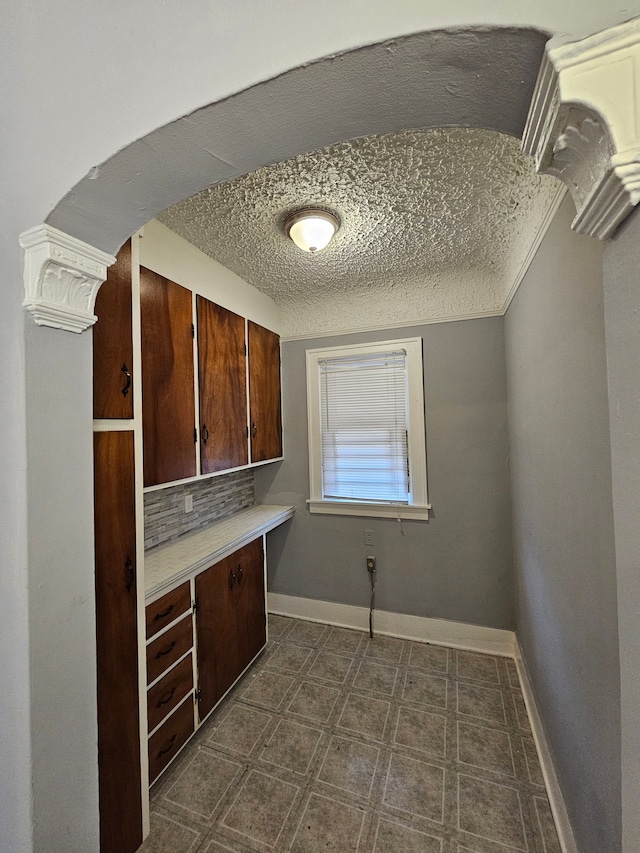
[[466, 77]]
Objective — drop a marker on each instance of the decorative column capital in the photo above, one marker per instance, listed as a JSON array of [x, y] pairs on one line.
[[584, 125], [62, 276]]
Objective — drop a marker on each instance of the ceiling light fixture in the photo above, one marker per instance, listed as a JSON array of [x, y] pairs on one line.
[[311, 229]]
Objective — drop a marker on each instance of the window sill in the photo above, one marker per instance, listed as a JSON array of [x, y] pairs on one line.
[[418, 513]]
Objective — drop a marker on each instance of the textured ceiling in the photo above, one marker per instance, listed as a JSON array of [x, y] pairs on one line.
[[436, 224]]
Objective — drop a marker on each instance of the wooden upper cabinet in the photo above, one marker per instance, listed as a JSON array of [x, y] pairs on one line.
[[264, 393], [223, 388], [168, 404], [113, 342], [117, 644]]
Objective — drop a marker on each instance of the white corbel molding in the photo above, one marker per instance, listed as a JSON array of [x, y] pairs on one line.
[[62, 276], [584, 125]]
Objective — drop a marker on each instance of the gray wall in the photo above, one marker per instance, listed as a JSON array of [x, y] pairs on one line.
[[563, 528], [622, 325], [15, 740], [458, 565]]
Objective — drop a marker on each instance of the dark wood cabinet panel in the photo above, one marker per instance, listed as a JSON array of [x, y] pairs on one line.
[[168, 405], [113, 342], [167, 693], [165, 610], [223, 388], [230, 623], [117, 644], [169, 739], [168, 648], [216, 633], [250, 610], [264, 393]]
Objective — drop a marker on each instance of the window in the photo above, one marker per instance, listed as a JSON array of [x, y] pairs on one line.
[[365, 407]]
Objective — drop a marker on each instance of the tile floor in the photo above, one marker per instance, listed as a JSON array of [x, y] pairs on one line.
[[335, 742]]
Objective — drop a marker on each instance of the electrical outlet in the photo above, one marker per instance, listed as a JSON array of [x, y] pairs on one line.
[[371, 564], [368, 537], [188, 503]]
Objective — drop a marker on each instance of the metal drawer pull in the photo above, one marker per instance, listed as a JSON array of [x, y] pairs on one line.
[[164, 613], [169, 648], [127, 384], [239, 572], [254, 430], [232, 578], [168, 748], [167, 698], [204, 432]]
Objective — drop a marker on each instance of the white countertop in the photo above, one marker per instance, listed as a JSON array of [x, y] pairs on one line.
[[168, 564]]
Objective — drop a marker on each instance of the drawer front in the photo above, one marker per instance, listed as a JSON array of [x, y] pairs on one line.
[[169, 738], [166, 609], [166, 650], [163, 697]]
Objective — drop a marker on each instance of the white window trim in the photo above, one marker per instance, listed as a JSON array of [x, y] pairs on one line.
[[418, 506]]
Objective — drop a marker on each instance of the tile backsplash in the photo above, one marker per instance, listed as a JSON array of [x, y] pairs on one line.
[[213, 498]]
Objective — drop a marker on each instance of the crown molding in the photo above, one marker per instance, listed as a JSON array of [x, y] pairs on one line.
[[62, 276], [584, 125], [383, 327]]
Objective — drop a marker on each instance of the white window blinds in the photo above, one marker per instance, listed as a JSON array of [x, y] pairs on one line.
[[363, 422]]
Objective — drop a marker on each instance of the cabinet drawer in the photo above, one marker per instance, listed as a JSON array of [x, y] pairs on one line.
[[164, 651], [172, 735], [163, 697], [166, 609]]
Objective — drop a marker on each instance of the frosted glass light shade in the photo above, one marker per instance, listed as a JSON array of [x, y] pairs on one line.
[[311, 230]]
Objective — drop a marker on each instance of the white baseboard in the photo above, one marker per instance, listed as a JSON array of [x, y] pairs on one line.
[[556, 800], [444, 632]]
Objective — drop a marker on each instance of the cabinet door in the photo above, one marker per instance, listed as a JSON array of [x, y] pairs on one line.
[[113, 342], [168, 405], [264, 393], [217, 633], [117, 644], [223, 388], [250, 606]]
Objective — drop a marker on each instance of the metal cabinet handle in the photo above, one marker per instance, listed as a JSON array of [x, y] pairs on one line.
[[254, 429], [166, 698], [127, 383], [129, 575], [164, 613], [232, 578], [167, 748], [166, 651], [239, 570], [204, 432]]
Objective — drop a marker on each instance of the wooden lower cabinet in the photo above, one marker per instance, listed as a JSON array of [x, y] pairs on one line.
[[167, 609], [230, 630], [168, 648], [251, 616], [117, 644], [168, 693], [216, 631], [230, 622], [167, 742]]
